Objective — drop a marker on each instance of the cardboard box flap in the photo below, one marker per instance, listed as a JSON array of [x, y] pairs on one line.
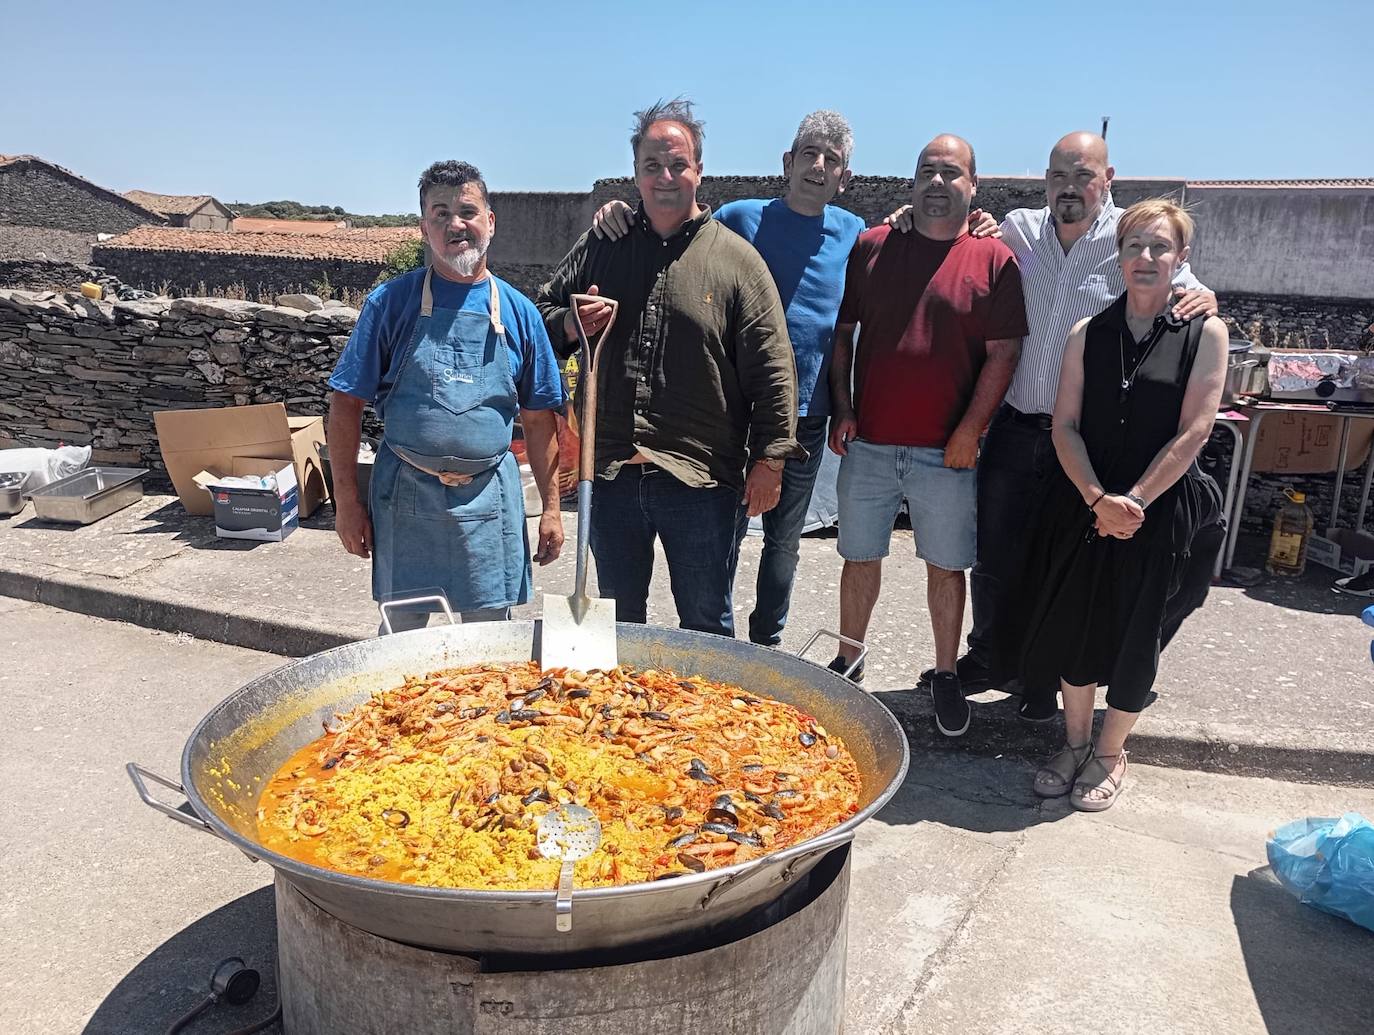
[[188, 431]]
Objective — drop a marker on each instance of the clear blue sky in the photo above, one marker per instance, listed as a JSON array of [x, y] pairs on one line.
[[344, 103]]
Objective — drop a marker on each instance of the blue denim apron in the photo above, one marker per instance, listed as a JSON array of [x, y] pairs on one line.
[[448, 510]]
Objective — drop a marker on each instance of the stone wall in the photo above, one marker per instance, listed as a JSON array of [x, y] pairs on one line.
[[44, 243], [537, 229], [48, 276], [91, 373], [33, 193], [1296, 322], [872, 198], [261, 276]]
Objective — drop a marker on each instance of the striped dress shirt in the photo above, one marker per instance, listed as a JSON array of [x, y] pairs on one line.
[[1061, 289]]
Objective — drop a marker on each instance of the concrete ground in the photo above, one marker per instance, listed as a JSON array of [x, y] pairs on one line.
[[1272, 680], [975, 907]]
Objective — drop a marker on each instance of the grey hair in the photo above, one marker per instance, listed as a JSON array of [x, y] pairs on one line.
[[830, 127], [678, 110]]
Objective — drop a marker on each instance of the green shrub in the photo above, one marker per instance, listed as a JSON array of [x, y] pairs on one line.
[[407, 256]]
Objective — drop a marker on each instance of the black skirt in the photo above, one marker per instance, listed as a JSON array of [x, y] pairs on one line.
[[1093, 606]]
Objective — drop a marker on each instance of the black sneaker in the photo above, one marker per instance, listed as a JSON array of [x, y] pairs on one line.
[[1356, 585], [952, 712], [973, 677], [840, 664], [1038, 708]]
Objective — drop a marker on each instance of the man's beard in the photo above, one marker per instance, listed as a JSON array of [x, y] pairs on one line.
[[1066, 211], [465, 263]]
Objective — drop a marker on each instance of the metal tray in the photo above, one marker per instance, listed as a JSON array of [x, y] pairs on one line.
[[88, 495]]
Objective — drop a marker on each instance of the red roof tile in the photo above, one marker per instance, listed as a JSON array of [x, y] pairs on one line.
[[370, 245]]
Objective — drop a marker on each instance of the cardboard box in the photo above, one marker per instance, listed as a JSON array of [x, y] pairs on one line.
[[266, 515], [1343, 550], [1299, 442], [211, 439]]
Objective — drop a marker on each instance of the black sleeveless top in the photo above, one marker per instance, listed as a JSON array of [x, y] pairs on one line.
[[1133, 392]]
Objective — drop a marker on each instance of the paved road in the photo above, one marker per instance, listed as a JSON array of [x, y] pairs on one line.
[[1270, 680], [976, 908]]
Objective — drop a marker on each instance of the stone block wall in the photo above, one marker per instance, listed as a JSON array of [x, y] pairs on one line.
[[1296, 322], [261, 276], [34, 193], [38, 273], [91, 373]]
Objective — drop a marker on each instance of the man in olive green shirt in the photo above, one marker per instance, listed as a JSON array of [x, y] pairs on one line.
[[697, 383]]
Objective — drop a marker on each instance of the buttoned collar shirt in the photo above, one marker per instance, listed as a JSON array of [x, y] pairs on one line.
[[1061, 288], [698, 374]]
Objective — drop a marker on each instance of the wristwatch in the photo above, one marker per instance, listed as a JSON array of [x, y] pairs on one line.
[[1139, 501], [773, 463]]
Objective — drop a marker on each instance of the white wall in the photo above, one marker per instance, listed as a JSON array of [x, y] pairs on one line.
[[1313, 241]]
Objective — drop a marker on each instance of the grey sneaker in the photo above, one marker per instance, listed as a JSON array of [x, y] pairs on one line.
[[952, 712]]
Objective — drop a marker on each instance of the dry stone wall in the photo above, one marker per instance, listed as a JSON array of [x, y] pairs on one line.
[[92, 373], [261, 276]]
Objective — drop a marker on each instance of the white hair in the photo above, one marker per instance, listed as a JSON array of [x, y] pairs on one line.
[[829, 127]]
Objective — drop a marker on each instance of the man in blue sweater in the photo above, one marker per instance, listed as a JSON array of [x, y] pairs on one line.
[[805, 241]]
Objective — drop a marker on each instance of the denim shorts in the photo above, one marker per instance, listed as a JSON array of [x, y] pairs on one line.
[[942, 502]]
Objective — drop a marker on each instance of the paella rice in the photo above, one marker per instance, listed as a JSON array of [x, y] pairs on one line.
[[442, 781]]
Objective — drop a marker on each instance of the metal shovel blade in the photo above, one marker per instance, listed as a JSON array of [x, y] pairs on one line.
[[569, 832], [579, 631]]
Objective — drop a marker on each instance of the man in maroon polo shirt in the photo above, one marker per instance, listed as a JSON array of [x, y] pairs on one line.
[[940, 317]]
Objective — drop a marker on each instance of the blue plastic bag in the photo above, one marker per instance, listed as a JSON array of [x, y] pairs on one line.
[[1328, 863]]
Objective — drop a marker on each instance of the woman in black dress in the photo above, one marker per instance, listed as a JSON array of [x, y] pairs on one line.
[[1137, 397]]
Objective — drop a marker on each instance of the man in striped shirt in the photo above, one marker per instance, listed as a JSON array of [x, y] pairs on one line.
[[1069, 269]]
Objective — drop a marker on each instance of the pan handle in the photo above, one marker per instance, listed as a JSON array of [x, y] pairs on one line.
[[137, 773], [863, 648], [794, 856], [434, 598]]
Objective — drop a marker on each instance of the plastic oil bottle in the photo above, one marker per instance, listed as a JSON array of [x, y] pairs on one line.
[[1292, 530]]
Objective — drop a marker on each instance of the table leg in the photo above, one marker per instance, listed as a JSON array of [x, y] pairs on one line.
[[1340, 473], [1364, 490], [1256, 416], [1232, 477]]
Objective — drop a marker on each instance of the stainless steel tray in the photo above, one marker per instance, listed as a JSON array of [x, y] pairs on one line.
[[88, 495]]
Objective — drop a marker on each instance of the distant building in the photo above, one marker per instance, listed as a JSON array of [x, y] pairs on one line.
[[267, 225], [48, 213], [193, 211]]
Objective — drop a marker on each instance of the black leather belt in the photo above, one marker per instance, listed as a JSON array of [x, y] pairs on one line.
[[1042, 421]]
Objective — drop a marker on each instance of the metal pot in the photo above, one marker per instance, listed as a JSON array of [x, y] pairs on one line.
[[1239, 368], [248, 736], [12, 492]]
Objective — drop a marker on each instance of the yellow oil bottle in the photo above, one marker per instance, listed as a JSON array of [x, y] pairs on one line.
[[1292, 530]]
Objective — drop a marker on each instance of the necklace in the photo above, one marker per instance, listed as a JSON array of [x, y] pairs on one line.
[[1161, 325]]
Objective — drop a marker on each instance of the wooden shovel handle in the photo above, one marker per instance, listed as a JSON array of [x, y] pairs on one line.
[[589, 375]]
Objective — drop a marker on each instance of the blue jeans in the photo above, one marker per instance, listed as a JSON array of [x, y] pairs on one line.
[[698, 530], [1014, 471], [782, 532]]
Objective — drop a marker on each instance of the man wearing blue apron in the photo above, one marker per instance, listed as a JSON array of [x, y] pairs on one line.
[[448, 354]]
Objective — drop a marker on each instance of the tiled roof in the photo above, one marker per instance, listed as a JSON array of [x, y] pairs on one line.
[[5, 160], [168, 204], [265, 225], [369, 245], [1350, 182]]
